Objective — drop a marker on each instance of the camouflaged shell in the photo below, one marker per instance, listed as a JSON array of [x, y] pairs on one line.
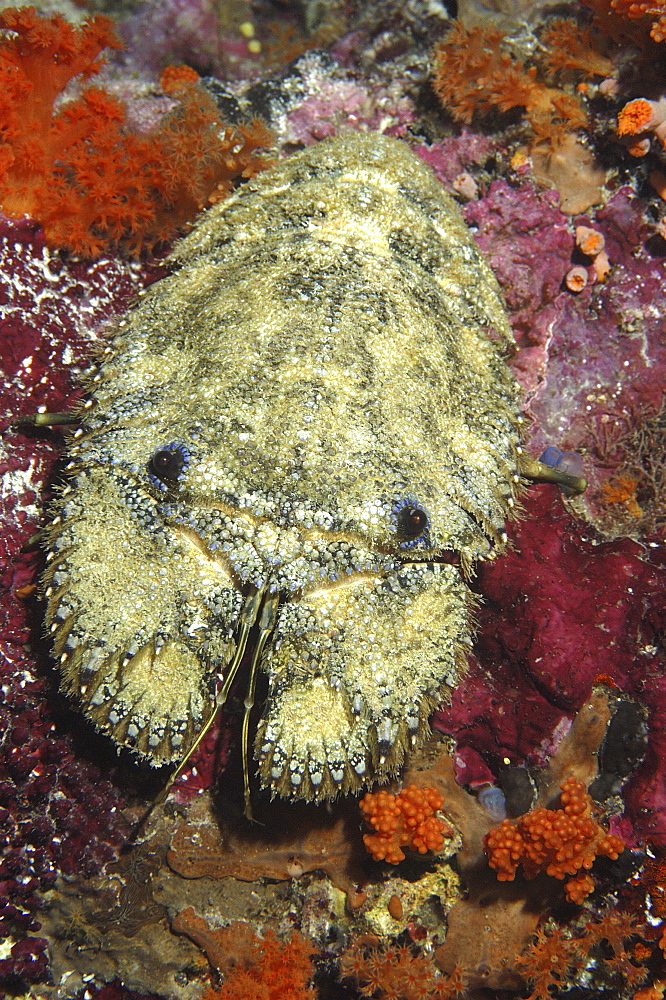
[[327, 354]]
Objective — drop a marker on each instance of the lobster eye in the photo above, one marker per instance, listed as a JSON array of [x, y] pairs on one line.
[[412, 522], [167, 464]]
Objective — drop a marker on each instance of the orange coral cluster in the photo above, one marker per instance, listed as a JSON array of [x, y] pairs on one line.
[[641, 22], [407, 819], [398, 973], [258, 968], [591, 243], [635, 117], [93, 184], [651, 11], [622, 490], [474, 76], [556, 841], [278, 970], [176, 78]]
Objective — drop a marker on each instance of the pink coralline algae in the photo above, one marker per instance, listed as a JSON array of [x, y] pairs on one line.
[[334, 99], [177, 31], [592, 363], [458, 154], [58, 815]]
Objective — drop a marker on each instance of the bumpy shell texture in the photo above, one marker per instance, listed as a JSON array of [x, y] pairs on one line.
[[289, 434]]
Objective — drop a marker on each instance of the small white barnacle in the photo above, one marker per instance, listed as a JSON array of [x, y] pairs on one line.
[[291, 436]]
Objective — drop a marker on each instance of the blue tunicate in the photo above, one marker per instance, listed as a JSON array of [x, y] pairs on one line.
[[493, 801], [565, 461]]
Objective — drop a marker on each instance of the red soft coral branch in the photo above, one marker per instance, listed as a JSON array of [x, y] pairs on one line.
[[48, 52], [36, 64], [93, 184]]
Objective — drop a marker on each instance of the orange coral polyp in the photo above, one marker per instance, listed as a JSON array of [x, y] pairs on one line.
[[174, 78], [579, 888], [635, 117], [622, 490], [576, 278], [404, 820], [590, 241], [559, 842]]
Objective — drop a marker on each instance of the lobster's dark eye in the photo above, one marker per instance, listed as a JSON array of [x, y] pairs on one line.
[[412, 522], [167, 464]]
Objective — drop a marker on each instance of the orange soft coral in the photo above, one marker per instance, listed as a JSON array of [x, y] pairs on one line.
[[404, 820], [551, 960], [93, 184], [397, 972], [622, 490], [474, 76], [556, 841], [254, 968], [38, 57], [175, 78], [558, 954], [279, 970], [570, 47]]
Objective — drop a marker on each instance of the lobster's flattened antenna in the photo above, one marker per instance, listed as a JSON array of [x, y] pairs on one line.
[[247, 619], [47, 420], [266, 626]]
